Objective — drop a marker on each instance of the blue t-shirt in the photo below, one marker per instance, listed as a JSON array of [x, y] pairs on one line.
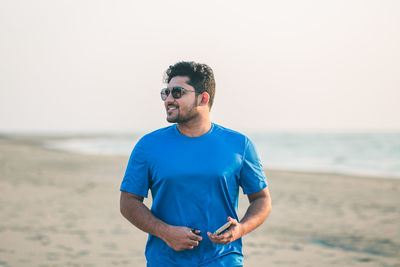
[[194, 182]]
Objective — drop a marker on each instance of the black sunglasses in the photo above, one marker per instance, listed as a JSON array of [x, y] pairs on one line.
[[176, 92]]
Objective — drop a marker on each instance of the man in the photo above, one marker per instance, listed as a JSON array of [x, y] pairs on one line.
[[194, 169]]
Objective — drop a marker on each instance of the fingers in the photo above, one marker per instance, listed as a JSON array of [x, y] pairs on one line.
[[195, 231], [226, 237], [181, 238], [193, 243], [196, 236], [214, 238], [233, 221], [221, 239], [187, 244]]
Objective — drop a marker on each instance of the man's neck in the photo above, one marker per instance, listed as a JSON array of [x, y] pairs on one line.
[[195, 128]]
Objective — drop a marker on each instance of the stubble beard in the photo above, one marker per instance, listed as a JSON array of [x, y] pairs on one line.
[[192, 114]]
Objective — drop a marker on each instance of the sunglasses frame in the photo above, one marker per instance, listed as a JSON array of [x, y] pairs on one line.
[[174, 91]]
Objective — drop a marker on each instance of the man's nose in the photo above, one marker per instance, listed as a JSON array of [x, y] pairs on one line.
[[169, 99]]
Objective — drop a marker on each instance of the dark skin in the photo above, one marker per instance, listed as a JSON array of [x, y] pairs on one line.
[[181, 237]]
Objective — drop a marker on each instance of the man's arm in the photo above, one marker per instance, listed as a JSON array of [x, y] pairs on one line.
[[177, 237], [257, 212]]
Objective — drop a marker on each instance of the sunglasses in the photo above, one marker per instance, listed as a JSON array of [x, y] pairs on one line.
[[176, 92]]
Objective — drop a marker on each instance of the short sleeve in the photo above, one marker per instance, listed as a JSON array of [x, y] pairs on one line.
[[137, 175], [252, 177]]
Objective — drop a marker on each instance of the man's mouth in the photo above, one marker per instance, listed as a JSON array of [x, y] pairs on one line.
[[171, 108]]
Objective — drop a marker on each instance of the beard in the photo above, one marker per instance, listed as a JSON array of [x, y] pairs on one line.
[[182, 118]]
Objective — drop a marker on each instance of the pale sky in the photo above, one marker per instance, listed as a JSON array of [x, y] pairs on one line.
[[84, 66]]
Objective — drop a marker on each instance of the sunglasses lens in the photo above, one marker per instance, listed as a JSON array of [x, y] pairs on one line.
[[177, 92], [164, 93]]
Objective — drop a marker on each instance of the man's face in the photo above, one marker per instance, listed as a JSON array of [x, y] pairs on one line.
[[185, 108]]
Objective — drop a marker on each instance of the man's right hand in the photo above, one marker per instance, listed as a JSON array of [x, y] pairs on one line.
[[180, 238]]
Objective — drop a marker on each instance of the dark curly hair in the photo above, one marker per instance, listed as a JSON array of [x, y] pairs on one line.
[[201, 77]]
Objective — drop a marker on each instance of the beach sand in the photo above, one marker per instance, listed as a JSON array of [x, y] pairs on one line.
[[62, 209]]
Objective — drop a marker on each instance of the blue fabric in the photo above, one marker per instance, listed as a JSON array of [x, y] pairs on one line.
[[228, 260], [194, 182]]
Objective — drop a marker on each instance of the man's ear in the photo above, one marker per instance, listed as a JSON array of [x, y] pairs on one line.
[[205, 97]]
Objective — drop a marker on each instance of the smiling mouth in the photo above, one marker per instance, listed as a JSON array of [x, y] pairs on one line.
[[171, 108]]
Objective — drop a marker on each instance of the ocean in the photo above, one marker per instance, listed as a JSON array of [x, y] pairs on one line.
[[367, 154]]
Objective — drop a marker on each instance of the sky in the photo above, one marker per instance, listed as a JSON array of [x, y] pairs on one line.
[[97, 66]]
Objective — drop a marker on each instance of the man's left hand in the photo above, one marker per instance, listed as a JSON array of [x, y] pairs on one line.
[[234, 232]]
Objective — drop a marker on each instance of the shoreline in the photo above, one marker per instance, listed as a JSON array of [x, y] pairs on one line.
[[62, 208], [39, 142]]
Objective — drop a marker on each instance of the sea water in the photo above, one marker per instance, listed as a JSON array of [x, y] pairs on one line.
[[376, 154]]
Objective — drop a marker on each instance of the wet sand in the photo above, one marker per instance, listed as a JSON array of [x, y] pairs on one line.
[[62, 209]]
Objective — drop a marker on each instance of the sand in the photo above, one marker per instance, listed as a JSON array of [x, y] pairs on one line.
[[62, 209]]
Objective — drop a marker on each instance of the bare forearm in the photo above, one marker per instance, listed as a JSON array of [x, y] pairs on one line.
[[177, 237], [139, 215], [256, 214]]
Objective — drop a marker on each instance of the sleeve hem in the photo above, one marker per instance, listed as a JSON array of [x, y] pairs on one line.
[[142, 194], [255, 190]]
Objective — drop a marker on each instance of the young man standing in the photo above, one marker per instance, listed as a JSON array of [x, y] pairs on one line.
[[194, 169]]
